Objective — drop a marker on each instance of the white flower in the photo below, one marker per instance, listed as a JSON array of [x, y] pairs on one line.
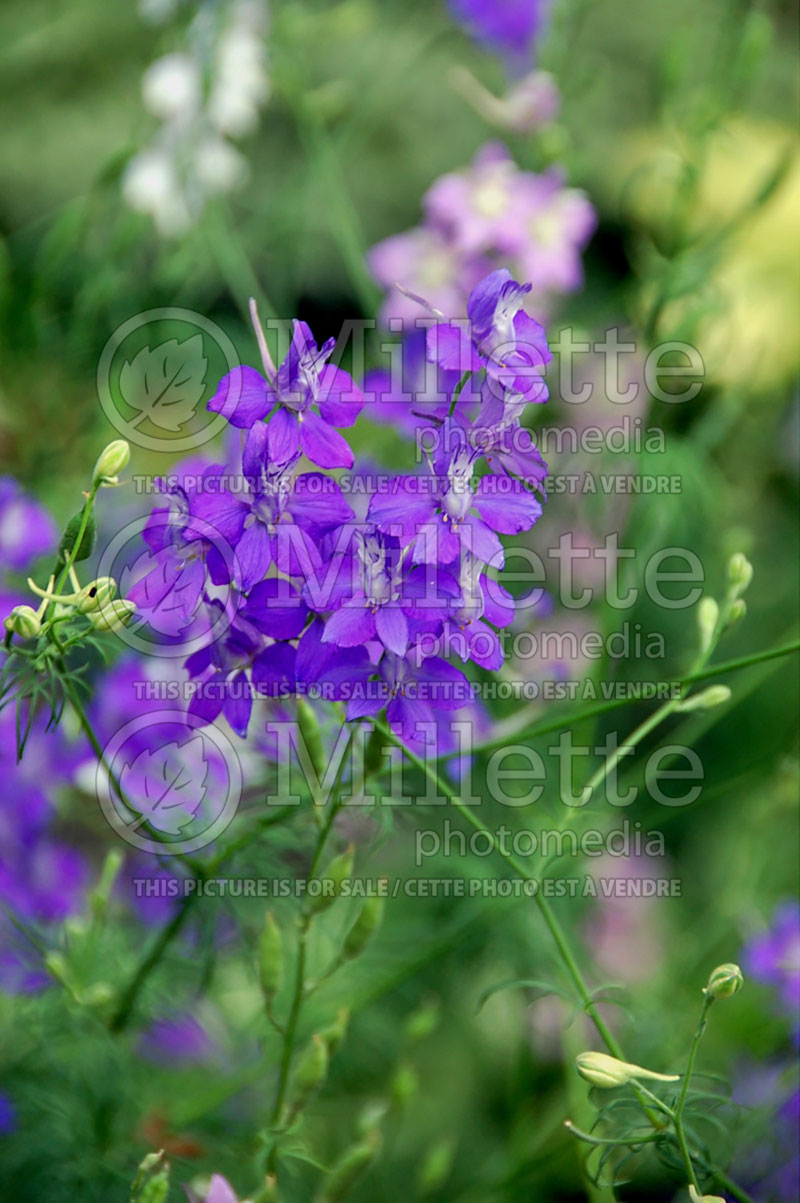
[[171, 87]]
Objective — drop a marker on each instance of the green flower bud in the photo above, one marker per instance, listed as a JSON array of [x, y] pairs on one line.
[[270, 958], [111, 462], [334, 1035], [23, 621], [707, 619], [715, 695], [405, 1085], [70, 535], [349, 1168], [268, 1192], [737, 611], [157, 1189], [312, 736], [113, 616], [100, 895], [338, 871], [99, 994], [96, 594], [311, 1071], [436, 1166], [422, 1022], [608, 1072], [740, 572], [367, 923], [725, 981]]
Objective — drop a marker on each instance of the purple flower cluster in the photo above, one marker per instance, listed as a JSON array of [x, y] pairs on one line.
[[360, 609], [773, 957], [489, 215]]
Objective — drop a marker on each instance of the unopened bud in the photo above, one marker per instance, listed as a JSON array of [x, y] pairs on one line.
[[422, 1022], [113, 616], [312, 736], [608, 1072], [99, 897], [268, 1192], [23, 621], [312, 1069], [334, 1035], [725, 981], [707, 699], [270, 958], [737, 611], [96, 594], [110, 462], [696, 1198], [405, 1085], [367, 923], [338, 871], [707, 619], [436, 1166], [740, 572]]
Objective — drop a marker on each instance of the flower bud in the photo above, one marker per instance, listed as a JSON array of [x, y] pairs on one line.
[[422, 1022], [405, 1085], [96, 594], [311, 1071], [270, 958], [111, 462], [740, 572], [23, 621], [707, 699], [707, 619], [312, 736], [725, 981], [695, 1198], [268, 1192], [113, 616], [737, 611], [367, 923], [338, 871], [608, 1072], [334, 1035]]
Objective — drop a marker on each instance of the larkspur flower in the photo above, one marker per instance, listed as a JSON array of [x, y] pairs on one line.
[[26, 529], [508, 27], [310, 398], [773, 957]]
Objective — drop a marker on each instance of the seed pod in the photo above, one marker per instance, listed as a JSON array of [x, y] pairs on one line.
[[110, 462], [608, 1072], [270, 958], [23, 621], [350, 1167], [311, 1071], [715, 695], [725, 981], [70, 535], [338, 871], [367, 923]]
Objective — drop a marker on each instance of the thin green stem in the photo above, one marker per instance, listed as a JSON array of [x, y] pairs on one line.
[[687, 1077]]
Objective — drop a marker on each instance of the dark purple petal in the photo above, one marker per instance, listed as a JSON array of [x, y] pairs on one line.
[[274, 673], [351, 626], [340, 400], [253, 555], [392, 629], [284, 435], [241, 397], [506, 505], [276, 609], [322, 444]]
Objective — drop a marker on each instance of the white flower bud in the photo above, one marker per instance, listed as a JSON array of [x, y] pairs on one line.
[[171, 87], [737, 611], [725, 981], [740, 572], [695, 1198], [111, 461], [707, 619], [715, 695], [608, 1072], [96, 594]]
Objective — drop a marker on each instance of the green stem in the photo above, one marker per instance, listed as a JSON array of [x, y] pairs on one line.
[[678, 1118], [130, 994]]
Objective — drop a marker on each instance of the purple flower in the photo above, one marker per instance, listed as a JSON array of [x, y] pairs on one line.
[[773, 957], [499, 337], [310, 397], [509, 27], [8, 1115], [177, 1039], [26, 528], [221, 1191], [427, 262], [411, 690]]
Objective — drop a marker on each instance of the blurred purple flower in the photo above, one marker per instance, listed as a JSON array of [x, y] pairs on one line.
[[8, 1115], [177, 1039], [773, 957], [509, 27], [26, 528]]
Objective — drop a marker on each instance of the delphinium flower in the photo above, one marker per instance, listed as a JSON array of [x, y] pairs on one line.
[[773, 957], [507, 27], [26, 529], [204, 95], [490, 214], [362, 609]]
